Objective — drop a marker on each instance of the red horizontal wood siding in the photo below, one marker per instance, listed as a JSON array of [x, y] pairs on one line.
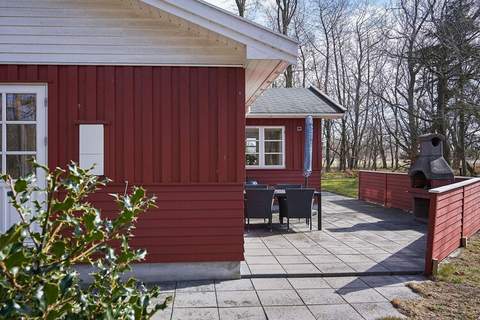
[[454, 214], [386, 188], [178, 131], [294, 149], [471, 217]]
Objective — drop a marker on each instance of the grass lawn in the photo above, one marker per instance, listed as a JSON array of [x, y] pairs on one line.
[[454, 294], [340, 183]]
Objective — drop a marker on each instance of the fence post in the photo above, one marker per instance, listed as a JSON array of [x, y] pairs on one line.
[[359, 182], [432, 216], [463, 239], [386, 190]]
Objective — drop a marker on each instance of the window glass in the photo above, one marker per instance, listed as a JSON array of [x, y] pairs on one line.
[[273, 134], [252, 134], [21, 137], [252, 147], [21, 107], [275, 146], [20, 132], [19, 165], [252, 159], [264, 147], [273, 159]]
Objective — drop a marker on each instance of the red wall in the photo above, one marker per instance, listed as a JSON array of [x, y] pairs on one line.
[[389, 189], [178, 131], [294, 146]]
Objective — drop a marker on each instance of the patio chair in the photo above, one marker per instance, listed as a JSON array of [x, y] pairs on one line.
[[258, 204], [282, 201], [299, 205], [251, 186]]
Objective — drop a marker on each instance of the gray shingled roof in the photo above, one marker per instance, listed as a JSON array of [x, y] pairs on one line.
[[295, 102]]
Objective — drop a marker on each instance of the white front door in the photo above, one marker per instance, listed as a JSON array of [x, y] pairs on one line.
[[23, 135]]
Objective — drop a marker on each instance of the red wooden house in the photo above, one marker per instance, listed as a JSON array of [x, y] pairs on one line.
[[155, 93], [275, 134]]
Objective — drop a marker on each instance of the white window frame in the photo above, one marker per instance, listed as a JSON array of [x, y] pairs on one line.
[[8, 214], [261, 152], [40, 90]]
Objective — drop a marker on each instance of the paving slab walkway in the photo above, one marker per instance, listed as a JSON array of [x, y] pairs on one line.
[[358, 238], [356, 298]]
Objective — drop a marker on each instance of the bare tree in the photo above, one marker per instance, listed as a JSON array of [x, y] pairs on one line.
[[285, 11]]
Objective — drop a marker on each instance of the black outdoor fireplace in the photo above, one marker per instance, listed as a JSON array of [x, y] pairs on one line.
[[430, 170]]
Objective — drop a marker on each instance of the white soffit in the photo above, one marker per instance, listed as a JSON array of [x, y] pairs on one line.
[[261, 42]]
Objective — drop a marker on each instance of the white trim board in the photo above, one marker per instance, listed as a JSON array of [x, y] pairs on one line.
[[262, 152], [294, 115], [453, 186]]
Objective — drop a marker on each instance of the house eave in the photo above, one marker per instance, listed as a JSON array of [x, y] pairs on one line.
[[261, 42]]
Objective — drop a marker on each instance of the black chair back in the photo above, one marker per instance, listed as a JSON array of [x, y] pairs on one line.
[[256, 186], [259, 203], [299, 203], [288, 186]]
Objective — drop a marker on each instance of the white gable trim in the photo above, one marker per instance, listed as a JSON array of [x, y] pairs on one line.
[[261, 43], [294, 115]]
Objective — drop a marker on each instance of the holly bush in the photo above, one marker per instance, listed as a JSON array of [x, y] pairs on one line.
[[59, 229]]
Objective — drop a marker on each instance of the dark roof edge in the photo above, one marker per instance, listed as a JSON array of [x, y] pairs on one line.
[[327, 99]]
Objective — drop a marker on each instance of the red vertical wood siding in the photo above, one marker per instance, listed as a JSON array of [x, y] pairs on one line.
[[177, 131], [294, 145]]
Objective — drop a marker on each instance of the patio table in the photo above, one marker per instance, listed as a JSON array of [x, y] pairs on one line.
[[279, 193]]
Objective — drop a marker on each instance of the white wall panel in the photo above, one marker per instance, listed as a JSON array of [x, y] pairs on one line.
[[92, 147], [105, 32]]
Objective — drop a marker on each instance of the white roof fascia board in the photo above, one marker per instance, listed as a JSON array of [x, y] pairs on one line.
[[263, 43], [327, 98], [294, 115]]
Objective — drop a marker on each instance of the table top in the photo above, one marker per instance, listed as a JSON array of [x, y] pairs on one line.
[[280, 192], [283, 191]]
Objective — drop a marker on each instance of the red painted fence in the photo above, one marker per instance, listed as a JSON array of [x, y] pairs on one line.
[[454, 209], [454, 216], [390, 189]]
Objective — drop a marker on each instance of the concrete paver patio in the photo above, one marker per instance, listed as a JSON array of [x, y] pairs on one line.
[[287, 298], [349, 270], [358, 238]]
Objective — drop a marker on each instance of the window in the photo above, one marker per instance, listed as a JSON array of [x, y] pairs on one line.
[[18, 133], [91, 147], [265, 147]]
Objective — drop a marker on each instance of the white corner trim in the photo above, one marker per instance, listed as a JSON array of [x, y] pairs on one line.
[[263, 43], [453, 186]]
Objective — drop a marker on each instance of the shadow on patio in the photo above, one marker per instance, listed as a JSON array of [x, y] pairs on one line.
[[358, 239]]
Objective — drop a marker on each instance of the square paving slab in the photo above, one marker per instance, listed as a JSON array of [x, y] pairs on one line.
[[357, 238], [286, 299]]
